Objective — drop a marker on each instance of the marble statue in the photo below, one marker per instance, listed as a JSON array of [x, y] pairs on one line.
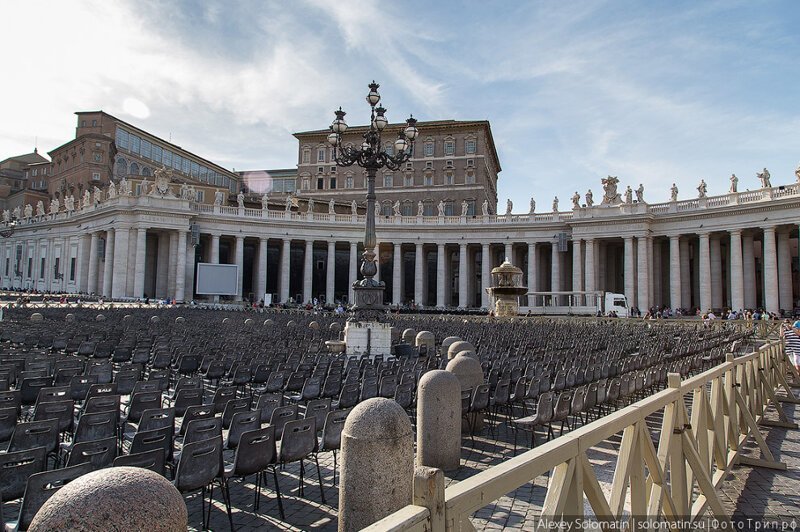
[[184, 191], [264, 202], [640, 193], [378, 210], [420, 208], [28, 211], [191, 194], [485, 207], [673, 192], [124, 187], [354, 207], [40, 209], [702, 189], [797, 173], [218, 196], [69, 203], [18, 213], [288, 203], [610, 194], [533, 206], [310, 206], [396, 208], [441, 208], [555, 204], [764, 177], [464, 208], [87, 199], [629, 195], [6, 215], [54, 206], [589, 198], [98, 195], [331, 207], [509, 206], [112, 190], [144, 187], [734, 184], [576, 200], [240, 199]]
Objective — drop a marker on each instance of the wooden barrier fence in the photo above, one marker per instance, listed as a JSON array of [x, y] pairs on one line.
[[674, 479]]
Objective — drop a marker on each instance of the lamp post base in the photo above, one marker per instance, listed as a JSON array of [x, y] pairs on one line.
[[368, 305]]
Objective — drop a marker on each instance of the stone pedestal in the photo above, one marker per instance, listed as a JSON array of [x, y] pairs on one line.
[[438, 420], [368, 337]]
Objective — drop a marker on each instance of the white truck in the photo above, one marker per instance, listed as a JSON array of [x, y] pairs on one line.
[[574, 304]]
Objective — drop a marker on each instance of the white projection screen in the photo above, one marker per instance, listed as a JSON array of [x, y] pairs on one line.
[[217, 279]]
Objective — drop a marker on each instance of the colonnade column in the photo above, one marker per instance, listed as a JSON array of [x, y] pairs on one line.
[[172, 261], [141, 255], [643, 270], [705, 272], [784, 272], [686, 278], [284, 274], [770, 274], [419, 265], [180, 274], [261, 276], [589, 272], [555, 273], [462, 275], [675, 277], [239, 270], [440, 275], [737, 277], [715, 254], [94, 246], [630, 281], [486, 273], [353, 270], [397, 264], [308, 261], [533, 270], [509, 252], [330, 274], [749, 271], [108, 265], [120, 262], [214, 258], [577, 270]]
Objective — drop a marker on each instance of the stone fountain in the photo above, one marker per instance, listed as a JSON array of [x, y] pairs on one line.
[[506, 289]]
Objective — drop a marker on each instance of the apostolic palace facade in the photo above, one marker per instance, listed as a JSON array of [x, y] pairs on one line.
[[119, 212]]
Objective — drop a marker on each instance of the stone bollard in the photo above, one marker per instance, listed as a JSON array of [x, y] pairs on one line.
[[377, 463], [447, 342], [314, 325], [470, 374], [467, 353], [409, 335], [457, 347], [99, 317], [439, 420], [427, 339], [116, 498], [268, 323], [37, 316], [69, 318]]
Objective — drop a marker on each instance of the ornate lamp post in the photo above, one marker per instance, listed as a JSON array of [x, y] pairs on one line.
[[368, 293]]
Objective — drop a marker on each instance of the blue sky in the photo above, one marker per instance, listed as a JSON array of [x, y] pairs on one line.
[[653, 92]]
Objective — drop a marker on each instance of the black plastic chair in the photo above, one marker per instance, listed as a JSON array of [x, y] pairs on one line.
[[254, 456], [299, 442], [199, 468], [99, 453], [152, 460], [242, 422], [40, 487], [332, 435], [15, 468]]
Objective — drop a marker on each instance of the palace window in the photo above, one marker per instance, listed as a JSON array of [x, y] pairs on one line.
[[146, 147], [333, 183], [321, 155], [157, 150], [305, 185], [448, 208], [428, 180], [471, 207], [428, 208], [348, 182], [320, 183], [449, 147], [388, 180], [448, 178], [470, 177], [387, 208], [408, 180], [306, 155], [429, 149], [134, 169], [135, 143], [470, 146]]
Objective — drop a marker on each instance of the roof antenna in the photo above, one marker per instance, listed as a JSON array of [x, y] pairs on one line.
[[36, 144]]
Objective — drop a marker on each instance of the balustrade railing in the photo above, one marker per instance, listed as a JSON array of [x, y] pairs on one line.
[[674, 480]]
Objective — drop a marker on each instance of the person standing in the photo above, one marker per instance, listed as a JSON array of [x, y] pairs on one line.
[[791, 334]]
